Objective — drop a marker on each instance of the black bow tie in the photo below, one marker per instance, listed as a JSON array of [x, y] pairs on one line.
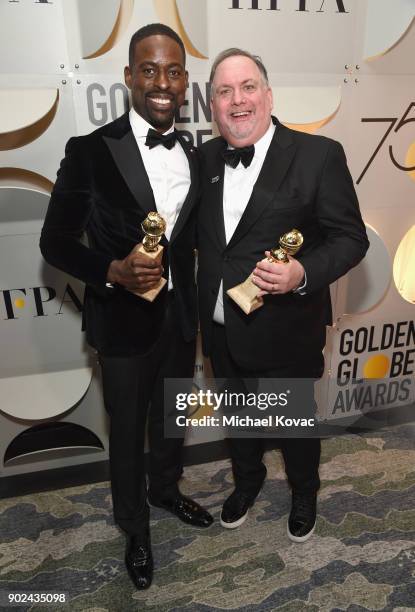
[[232, 157], [154, 138]]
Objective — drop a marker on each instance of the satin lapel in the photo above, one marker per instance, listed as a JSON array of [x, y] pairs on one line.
[[277, 161], [190, 200], [213, 193], [128, 160]]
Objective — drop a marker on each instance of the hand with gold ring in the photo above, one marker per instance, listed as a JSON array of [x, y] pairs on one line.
[[276, 278]]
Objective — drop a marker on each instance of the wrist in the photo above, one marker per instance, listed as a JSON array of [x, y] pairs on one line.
[[113, 273], [300, 283], [301, 286]]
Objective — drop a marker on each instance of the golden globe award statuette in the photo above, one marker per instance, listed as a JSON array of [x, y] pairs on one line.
[[153, 227], [246, 294]]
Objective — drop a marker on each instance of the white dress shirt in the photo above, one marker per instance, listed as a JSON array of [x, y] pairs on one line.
[[168, 172]]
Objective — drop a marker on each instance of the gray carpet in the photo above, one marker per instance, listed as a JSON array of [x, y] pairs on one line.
[[361, 557]]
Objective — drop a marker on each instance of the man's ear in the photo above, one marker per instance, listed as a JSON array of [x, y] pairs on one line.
[[127, 76], [270, 98], [186, 76]]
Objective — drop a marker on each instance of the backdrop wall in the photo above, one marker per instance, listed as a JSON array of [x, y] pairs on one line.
[[343, 68]]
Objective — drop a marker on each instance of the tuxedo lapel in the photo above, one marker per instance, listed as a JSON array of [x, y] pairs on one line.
[[189, 202], [213, 192], [276, 164], [127, 158]]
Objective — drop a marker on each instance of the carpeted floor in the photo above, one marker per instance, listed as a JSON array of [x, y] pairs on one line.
[[361, 557]]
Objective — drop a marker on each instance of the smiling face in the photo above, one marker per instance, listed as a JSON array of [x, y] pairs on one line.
[[157, 79], [241, 101]]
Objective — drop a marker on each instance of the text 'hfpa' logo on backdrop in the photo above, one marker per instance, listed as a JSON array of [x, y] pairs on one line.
[[299, 6], [35, 302]]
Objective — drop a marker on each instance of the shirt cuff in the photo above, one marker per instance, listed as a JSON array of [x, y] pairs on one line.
[[301, 290]]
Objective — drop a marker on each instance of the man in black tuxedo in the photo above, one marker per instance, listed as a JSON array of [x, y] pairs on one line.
[[261, 180], [107, 183]]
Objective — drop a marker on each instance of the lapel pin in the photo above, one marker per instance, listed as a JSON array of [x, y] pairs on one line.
[[214, 179]]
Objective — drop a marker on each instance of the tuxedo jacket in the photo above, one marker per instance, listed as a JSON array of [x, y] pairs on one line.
[[102, 189], [305, 184]]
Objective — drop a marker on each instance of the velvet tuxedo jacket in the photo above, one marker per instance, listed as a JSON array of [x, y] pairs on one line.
[[103, 189], [305, 184]]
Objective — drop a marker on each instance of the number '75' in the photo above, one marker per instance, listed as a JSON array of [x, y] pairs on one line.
[[392, 120]]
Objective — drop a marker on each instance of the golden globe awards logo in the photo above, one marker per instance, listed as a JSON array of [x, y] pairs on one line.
[[106, 103], [385, 351], [32, 301]]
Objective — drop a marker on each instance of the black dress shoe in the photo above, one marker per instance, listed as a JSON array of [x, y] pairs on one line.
[[186, 509], [302, 519], [235, 509], [139, 561]]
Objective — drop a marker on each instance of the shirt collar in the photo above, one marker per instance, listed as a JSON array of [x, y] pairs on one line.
[[262, 145], [140, 126]]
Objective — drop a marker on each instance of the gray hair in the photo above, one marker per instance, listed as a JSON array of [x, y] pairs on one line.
[[233, 52]]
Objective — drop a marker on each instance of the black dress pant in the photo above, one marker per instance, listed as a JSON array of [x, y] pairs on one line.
[[133, 390], [301, 455]]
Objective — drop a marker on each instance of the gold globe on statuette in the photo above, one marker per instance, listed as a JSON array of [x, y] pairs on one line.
[[289, 244], [153, 228], [246, 295]]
